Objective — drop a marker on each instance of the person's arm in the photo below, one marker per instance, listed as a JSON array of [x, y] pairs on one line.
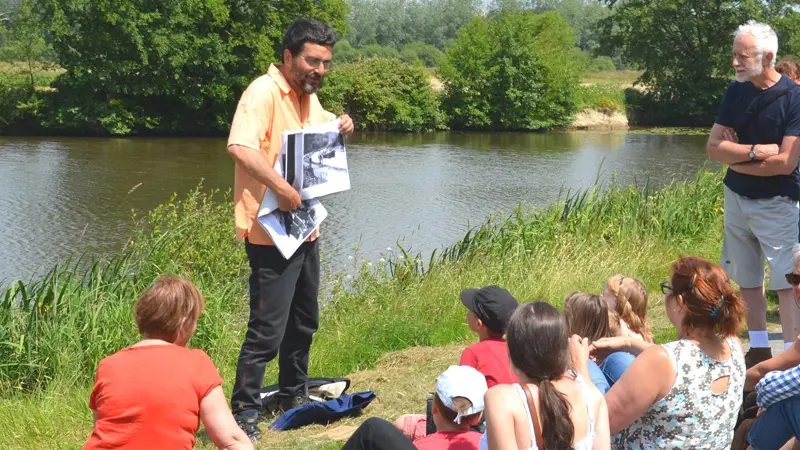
[[220, 424], [648, 379], [500, 433], [253, 162], [727, 152], [579, 352], [784, 361], [605, 346], [781, 164], [777, 386], [250, 125], [602, 434]]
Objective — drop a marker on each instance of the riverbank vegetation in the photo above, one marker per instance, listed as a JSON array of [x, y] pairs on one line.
[[54, 330], [177, 68]]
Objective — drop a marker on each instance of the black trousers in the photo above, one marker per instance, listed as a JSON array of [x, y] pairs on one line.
[[284, 314], [378, 434]]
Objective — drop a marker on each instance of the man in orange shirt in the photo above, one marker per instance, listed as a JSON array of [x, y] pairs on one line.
[[284, 313]]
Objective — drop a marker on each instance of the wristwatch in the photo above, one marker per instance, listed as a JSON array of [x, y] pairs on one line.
[[752, 152]]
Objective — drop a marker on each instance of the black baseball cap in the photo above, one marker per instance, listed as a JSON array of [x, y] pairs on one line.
[[492, 304]]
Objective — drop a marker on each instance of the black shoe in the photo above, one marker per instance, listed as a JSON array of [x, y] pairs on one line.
[[756, 355], [248, 422], [294, 401]]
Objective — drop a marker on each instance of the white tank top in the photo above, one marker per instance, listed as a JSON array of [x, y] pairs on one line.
[[584, 444]]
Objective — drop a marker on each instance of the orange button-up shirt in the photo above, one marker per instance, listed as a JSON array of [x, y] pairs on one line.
[[267, 108]]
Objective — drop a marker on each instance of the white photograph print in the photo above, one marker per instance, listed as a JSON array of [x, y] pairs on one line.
[[289, 229], [324, 164]]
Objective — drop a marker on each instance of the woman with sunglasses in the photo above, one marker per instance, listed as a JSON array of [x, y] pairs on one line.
[[685, 394]]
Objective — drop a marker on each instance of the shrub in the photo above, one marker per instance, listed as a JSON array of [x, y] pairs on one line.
[[427, 54], [602, 64], [513, 71], [383, 94]]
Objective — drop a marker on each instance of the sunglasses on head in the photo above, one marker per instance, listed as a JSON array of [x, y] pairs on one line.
[[793, 278], [666, 287]]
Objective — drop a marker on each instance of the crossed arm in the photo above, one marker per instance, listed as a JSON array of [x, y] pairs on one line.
[[770, 159]]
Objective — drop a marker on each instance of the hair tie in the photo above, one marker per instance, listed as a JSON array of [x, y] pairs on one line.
[[716, 310]]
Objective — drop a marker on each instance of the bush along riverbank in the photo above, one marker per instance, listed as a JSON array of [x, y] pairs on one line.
[[54, 331]]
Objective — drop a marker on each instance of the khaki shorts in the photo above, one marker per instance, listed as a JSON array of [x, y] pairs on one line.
[[756, 229]]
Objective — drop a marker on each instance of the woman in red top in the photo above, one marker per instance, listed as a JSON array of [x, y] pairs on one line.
[[155, 393]]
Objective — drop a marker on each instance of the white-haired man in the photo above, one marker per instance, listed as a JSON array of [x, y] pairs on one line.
[[762, 185]]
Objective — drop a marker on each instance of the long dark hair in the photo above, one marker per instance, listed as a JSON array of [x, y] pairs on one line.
[[538, 345]]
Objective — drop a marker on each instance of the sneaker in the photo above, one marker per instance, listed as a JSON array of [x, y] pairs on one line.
[[756, 355], [294, 401], [248, 422]]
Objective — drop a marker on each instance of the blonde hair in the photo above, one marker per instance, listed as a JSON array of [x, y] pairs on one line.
[[631, 304], [171, 305]]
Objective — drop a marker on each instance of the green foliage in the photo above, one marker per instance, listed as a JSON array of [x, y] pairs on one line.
[[426, 54], [383, 94], [177, 67], [395, 23], [684, 49], [606, 98], [22, 42], [512, 71], [602, 64]]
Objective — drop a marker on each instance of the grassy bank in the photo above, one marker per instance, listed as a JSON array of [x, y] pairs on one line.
[[67, 321]]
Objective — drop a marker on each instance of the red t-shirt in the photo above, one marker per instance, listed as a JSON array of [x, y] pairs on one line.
[[450, 440], [490, 357], [149, 397]]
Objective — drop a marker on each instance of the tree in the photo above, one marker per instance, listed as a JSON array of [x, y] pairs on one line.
[[684, 49], [166, 67], [512, 71], [395, 23], [22, 41]]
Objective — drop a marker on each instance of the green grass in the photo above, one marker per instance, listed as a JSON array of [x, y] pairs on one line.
[[17, 72], [69, 320], [606, 98]]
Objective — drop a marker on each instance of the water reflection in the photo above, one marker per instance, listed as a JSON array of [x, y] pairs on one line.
[[64, 196]]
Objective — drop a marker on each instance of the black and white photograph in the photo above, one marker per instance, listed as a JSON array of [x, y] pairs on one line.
[[324, 161], [289, 229]]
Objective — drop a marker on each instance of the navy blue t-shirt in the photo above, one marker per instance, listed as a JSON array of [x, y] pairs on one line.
[[779, 119]]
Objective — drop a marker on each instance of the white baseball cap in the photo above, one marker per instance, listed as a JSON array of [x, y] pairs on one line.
[[462, 381]]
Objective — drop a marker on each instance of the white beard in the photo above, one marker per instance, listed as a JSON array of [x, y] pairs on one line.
[[749, 73]]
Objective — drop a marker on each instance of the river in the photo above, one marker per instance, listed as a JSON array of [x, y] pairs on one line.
[[64, 196]]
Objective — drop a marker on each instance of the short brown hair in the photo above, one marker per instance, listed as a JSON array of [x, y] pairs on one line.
[[587, 315], [170, 305], [711, 302], [462, 404], [788, 66]]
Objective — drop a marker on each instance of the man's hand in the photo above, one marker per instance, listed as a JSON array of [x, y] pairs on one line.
[[346, 126], [764, 151], [288, 198]]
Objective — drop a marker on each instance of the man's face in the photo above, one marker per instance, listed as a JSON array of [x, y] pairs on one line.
[[746, 59], [309, 67], [796, 288]]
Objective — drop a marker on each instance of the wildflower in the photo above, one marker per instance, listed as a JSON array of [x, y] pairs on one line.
[[350, 258], [381, 260], [348, 277], [389, 248]]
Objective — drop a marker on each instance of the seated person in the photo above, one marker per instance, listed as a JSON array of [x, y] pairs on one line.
[[788, 66], [587, 316], [552, 407], [488, 311], [684, 394], [457, 405], [627, 297], [777, 385], [155, 393]]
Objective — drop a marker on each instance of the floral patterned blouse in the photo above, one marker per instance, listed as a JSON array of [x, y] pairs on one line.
[[691, 416]]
